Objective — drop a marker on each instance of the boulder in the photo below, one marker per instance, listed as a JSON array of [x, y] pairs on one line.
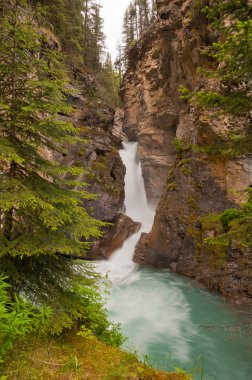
[[114, 237]]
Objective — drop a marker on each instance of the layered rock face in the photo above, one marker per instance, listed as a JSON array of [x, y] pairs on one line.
[[195, 182]]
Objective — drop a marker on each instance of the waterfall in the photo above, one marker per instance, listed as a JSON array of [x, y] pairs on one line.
[[120, 266]]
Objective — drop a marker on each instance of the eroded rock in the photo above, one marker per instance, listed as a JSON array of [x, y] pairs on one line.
[[114, 237]]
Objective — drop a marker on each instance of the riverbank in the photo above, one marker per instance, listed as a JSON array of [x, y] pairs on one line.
[[71, 357]]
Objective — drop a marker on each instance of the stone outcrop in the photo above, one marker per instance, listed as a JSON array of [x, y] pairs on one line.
[[198, 179], [123, 227]]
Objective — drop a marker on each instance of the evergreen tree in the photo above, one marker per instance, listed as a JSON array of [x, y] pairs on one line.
[[94, 38], [153, 14], [143, 15], [32, 194], [79, 26], [137, 19], [42, 221], [129, 30], [66, 19], [120, 61], [88, 33], [110, 80], [98, 38]]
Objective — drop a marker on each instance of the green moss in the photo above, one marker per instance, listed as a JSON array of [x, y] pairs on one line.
[[172, 186], [82, 152], [212, 222], [186, 171], [101, 173], [184, 166], [185, 161], [191, 202], [181, 146], [102, 116]]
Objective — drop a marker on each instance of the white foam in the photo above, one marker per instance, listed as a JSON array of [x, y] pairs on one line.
[[120, 267]]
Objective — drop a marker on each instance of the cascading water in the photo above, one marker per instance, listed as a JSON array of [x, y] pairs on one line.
[[120, 266], [164, 315]]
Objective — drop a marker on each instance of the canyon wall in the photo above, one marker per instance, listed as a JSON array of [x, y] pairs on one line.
[[196, 179]]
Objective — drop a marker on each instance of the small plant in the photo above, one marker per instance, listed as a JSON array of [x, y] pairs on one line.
[[172, 186], [229, 215], [72, 364], [86, 333], [180, 146], [185, 93], [18, 318]]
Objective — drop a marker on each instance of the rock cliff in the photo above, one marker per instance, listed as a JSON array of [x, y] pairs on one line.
[[197, 179]]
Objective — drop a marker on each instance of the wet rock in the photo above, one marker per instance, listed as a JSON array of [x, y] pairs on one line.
[[234, 252], [249, 290], [118, 125], [114, 237], [140, 248]]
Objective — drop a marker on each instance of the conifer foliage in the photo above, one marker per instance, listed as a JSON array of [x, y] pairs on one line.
[[38, 214], [138, 17], [65, 18], [42, 221], [79, 26], [94, 38]]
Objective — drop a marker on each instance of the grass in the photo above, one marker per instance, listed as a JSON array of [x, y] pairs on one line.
[[72, 357]]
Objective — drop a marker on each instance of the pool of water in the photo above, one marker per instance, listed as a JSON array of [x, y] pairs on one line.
[[177, 324]]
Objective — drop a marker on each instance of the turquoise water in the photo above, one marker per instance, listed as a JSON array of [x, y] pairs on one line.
[[177, 324], [165, 316]]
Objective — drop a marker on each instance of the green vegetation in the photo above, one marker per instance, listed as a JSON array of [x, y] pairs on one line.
[[79, 27], [66, 21], [233, 55], [138, 17], [110, 81], [18, 318], [231, 225], [180, 145], [74, 357], [233, 69], [43, 221]]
